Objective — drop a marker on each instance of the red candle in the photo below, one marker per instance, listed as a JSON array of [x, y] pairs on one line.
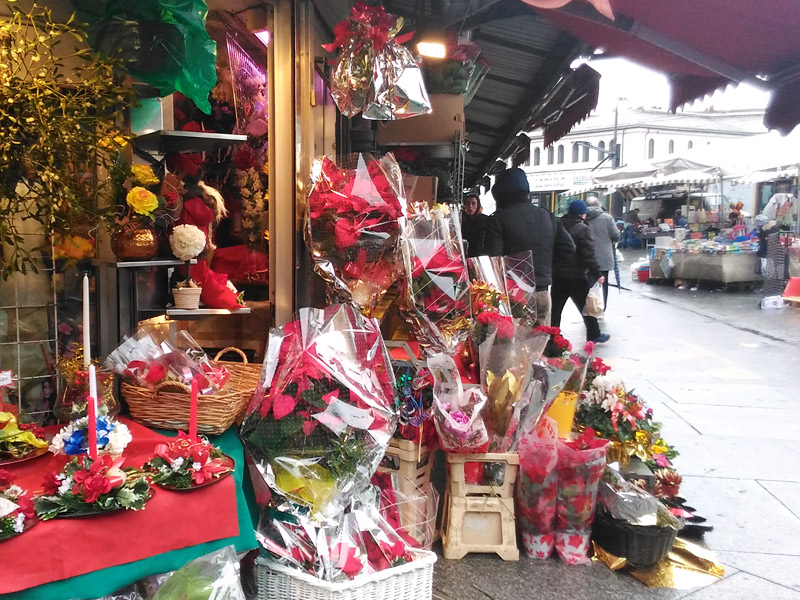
[[193, 412]]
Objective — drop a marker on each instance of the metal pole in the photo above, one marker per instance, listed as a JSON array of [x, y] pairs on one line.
[[615, 155]]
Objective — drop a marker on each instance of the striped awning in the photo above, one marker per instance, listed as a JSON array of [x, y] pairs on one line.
[[770, 175]]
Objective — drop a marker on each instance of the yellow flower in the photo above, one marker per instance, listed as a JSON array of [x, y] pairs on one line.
[[142, 201], [660, 447], [144, 174]]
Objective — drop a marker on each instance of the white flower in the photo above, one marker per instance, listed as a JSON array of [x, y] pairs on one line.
[[14, 492], [177, 463], [196, 466], [19, 523], [118, 439], [187, 242], [66, 486]]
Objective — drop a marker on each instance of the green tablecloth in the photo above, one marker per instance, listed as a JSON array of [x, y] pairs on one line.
[[104, 582]]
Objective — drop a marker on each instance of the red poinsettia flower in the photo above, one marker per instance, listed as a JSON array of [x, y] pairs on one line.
[[102, 476], [283, 405], [51, 483], [347, 234], [25, 506]]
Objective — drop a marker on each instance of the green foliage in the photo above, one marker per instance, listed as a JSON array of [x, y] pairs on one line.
[[59, 115]]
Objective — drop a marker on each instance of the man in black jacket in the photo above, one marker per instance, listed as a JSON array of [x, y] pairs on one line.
[[519, 226], [571, 273]]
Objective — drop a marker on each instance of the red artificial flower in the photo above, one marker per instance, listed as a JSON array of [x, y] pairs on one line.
[[245, 158], [25, 506], [309, 426], [6, 478], [102, 476], [209, 469], [599, 367], [170, 198], [562, 342], [51, 483]]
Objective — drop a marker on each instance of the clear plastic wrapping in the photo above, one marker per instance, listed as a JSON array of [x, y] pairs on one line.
[[436, 285], [322, 416], [627, 502], [214, 576], [353, 226]]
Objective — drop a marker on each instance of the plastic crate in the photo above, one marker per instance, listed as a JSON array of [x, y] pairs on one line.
[[411, 581]]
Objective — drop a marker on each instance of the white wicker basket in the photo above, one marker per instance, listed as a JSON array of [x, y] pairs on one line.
[[411, 581], [187, 298]]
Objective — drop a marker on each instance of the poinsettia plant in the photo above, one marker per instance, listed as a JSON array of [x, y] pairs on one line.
[[84, 487], [16, 508], [184, 463], [353, 226], [323, 414]]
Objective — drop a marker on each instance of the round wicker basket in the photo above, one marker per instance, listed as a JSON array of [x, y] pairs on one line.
[[187, 298]]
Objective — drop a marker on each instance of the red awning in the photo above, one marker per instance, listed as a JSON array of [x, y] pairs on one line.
[[702, 44]]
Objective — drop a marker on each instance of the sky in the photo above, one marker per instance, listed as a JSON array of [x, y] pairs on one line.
[[643, 87]]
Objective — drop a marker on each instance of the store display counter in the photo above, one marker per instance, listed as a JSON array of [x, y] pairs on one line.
[[725, 268]]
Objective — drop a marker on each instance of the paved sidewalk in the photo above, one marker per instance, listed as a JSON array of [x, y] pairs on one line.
[[723, 377]]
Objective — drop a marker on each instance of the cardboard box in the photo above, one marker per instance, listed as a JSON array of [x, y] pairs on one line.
[[420, 188], [442, 125]]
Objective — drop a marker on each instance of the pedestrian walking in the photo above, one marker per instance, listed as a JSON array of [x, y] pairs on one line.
[[605, 235], [574, 274], [473, 226], [518, 226]]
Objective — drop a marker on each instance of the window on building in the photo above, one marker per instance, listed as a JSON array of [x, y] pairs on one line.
[[651, 148], [561, 154], [601, 151], [690, 145], [586, 154], [550, 155], [671, 147], [537, 157], [575, 152]]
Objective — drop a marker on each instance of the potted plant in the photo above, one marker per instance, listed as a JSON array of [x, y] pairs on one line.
[[187, 242]]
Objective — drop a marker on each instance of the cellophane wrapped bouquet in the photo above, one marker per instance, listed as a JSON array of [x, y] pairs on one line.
[[322, 416], [353, 226], [436, 284], [537, 488], [580, 465], [374, 73]]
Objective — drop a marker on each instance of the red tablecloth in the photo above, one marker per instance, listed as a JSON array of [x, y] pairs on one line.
[[62, 548]]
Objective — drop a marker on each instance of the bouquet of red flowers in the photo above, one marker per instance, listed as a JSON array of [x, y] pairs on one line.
[[537, 488], [322, 416], [374, 72], [580, 465], [355, 217], [436, 287]]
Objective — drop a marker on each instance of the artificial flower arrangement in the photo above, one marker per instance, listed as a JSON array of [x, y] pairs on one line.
[[353, 226], [622, 417], [435, 289], [322, 417], [72, 402], [187, 242], [16, 508], [73, 439], [18, 439], [184, 463], [148, 199], [87, 487], [248, 180]]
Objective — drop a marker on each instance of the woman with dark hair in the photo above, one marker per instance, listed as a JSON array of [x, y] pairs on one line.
[[473, 225]]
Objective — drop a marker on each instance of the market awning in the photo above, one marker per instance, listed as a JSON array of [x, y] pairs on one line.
[[703, 46]]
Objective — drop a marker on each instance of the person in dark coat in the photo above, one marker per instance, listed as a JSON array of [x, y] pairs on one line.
[[605, 235], [519, 226], [571, 273], [473, 225]]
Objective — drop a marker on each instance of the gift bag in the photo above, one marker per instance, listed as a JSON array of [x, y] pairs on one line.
[[595, 305], [580, 466], [537, 488]]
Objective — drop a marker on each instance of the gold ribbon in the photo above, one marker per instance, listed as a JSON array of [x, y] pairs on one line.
[[641, 446]]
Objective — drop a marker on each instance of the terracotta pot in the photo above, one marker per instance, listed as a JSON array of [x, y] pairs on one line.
[[135, 243]]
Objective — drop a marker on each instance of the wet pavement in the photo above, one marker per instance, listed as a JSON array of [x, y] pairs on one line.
[[723, 377]]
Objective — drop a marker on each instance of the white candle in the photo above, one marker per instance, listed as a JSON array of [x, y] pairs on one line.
[[92, 383], [87, 340]]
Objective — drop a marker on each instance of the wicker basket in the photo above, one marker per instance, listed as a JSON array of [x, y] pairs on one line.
[[187, 298], [167, 405], [411, 581], [643, 546]]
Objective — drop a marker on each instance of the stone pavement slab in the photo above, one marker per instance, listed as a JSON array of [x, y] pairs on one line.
[[748, 423], [787, 492], [776, 568], [760, 394], [743, 586]]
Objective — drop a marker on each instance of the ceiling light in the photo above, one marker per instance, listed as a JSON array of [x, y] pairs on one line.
[[263, 36], [432, 49]]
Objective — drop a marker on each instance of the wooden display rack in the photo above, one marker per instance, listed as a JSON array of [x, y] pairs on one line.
[[480, 518]]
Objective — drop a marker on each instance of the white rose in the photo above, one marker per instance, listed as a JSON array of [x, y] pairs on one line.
[[187, 242], [177, 463], [19, 523], [118, 439], [65, 486]]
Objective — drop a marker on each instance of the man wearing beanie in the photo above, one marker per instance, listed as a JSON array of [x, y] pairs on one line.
[[605, 234], [519, 226], [571, 273]]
